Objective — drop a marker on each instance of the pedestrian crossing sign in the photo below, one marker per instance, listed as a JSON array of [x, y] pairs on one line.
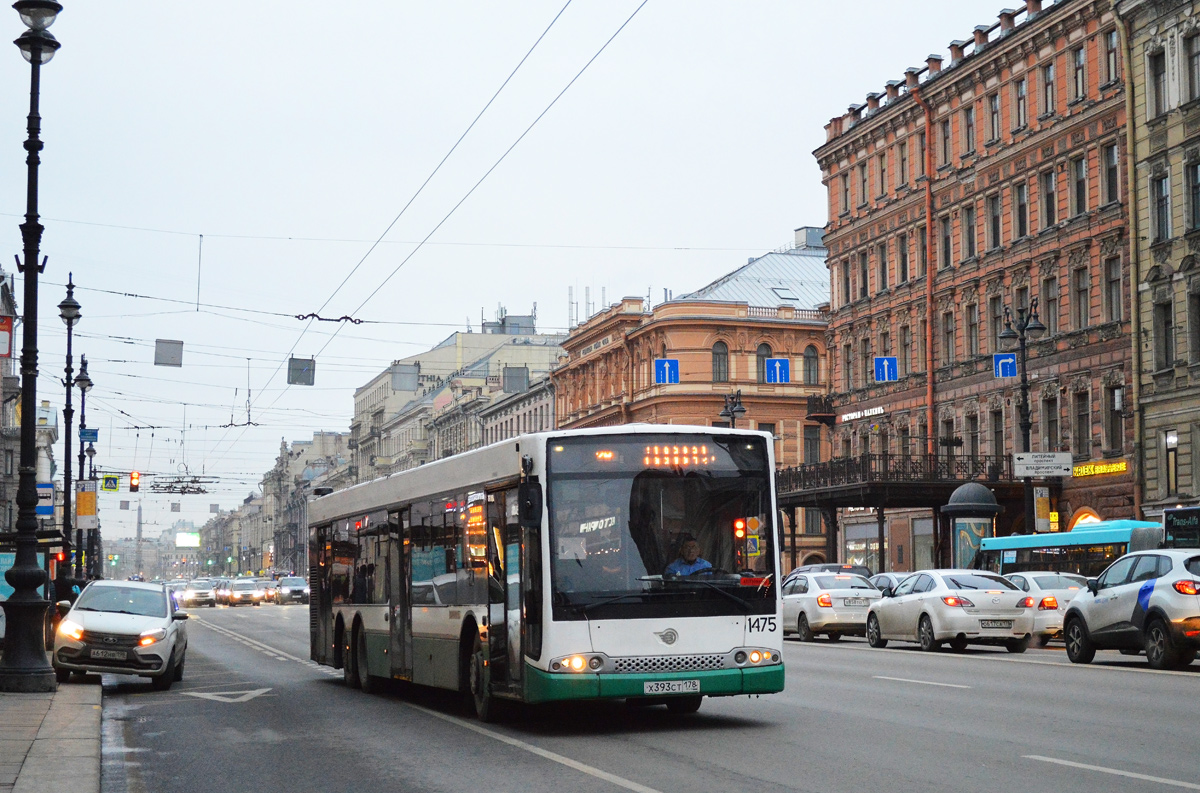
[[111, 483]]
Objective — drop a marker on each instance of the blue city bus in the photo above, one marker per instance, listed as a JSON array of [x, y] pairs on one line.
[[1087, 550]]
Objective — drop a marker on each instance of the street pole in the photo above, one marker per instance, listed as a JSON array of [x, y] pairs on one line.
[[24, 666], [69, 311], [1028, 326], [84, 383]]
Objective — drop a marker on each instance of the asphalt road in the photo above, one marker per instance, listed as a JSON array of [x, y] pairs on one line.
[[253, 714]]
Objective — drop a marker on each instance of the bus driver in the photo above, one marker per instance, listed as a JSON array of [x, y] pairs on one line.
[[689, 561]]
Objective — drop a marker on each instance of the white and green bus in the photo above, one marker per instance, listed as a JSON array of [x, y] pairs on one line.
[[635, 562]]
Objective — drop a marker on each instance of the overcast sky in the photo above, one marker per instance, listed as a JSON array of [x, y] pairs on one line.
[[292, 134]]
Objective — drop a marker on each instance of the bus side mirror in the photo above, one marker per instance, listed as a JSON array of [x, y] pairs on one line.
[[529, 505]]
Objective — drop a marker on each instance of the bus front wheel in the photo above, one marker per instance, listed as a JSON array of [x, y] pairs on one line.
[[479, 682], [684, 704]]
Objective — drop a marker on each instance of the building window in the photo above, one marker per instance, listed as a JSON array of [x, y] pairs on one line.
[[1050, 432], [904, 442], [1112, 174], [920, 154], [1171, 447], [1021, 210], [1160, 208], [812, 373], [994, 225], [1193, 307], [1081, 433], [1110, 56], [919, 345], [882, 275], [864, 356], [1079, 72], [812, 444], [945, 244], [968, 119], [1192, 174], [720, 362], [995, 321], [1114, 422], [761, 355], [1049, 199], [812, 521], [968, 232], [863, 268], [1021, 298], [922, 251], [847, 296], [847, 367], [993, 103], [1050, 305], [845, 181], [1164, 336], [1079, 200], [1191, 49], [947, 143], [1020, 103], [881, 165], [847, 449], [972, 312], [947, 338], [973, 436], [902, 164], [1158, 83], [1080, 303], [998, 432], [1048, 92], [902, 258], [1113, 310], [949, 438], [905, 350], [864, 184]]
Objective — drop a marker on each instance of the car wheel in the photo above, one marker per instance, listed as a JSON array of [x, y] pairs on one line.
[[835, 636], [366, 681], [1160, 649], [1017, 645], [179, 669], [1079, 644], [1043, 639], [874, 637], [62, 675], [925, 635], [684, 704], [802, 628], [958, 644], [163, 682]]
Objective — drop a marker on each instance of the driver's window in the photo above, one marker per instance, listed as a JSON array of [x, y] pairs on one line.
[[789, 588], [924, 584], [906, 586], [1021, 583], [801, 585], [1118, 572]]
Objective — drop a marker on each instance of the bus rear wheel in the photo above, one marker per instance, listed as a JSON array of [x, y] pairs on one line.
[[689, 704], [349, 662]]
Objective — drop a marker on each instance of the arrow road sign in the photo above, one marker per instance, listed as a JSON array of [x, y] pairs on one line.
[[886, 369], [666, 371], [228, 696], [1004, 364], [778, 370], [1038, 464]]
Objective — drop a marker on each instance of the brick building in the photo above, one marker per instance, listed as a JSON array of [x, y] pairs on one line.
[[989, 183]]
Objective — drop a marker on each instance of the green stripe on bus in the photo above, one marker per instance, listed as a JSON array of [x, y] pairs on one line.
[[541, 686]]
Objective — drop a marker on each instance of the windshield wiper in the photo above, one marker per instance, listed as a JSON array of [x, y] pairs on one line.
[[745, 604], [85, 608]]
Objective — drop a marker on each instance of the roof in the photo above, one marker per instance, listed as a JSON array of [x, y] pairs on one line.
[[797, 277]]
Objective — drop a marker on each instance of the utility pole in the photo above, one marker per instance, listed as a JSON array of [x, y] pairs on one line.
[[137, 556]]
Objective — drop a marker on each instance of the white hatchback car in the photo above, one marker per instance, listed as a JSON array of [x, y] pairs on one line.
[[959, 607], [1145, 600], [829, 603], [125, 628], [1051, 593]]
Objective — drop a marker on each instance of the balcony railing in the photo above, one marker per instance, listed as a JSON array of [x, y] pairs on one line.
[[869, 468]]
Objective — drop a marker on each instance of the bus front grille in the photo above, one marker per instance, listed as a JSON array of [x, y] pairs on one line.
[[668, 663]]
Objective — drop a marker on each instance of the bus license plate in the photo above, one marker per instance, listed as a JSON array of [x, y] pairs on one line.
[[995, 623], [855, 602], [112, 655], [672, 687]]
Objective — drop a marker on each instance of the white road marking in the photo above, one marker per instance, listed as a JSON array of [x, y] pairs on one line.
[[920, 682], [539, 751], [228, 696], [1115, 772]]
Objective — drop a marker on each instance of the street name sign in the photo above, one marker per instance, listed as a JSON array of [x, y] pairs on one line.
[[1036, 464], [89, 435]]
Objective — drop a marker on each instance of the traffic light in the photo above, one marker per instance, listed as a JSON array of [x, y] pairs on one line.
[[739, 528], [60, 557], [135, 480]]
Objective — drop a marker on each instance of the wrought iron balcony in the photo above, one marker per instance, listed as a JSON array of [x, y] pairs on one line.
[[916, 468], [820, 408]]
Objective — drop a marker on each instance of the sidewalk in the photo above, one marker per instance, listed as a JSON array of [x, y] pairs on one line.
[[50, 741]]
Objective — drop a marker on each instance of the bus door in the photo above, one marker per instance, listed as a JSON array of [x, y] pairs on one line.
[[504, 590], [320, 564], [399, 593]]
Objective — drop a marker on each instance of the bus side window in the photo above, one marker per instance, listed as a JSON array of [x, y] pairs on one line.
[[533, 592]]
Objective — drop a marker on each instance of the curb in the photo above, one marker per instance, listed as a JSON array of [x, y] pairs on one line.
[[67, 744]]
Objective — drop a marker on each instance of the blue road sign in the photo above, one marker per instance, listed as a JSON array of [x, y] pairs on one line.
[[45, 505], [886, 369], [89, 435], [666, 370], [1004, 364], [778, 370]]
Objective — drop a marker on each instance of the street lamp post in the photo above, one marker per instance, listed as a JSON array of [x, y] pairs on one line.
[[69, 311], [24, 666], [733, 409], [1028, 327], [84, 384], [93, 535]]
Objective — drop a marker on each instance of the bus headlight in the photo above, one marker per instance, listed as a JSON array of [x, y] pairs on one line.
[[577, 663]]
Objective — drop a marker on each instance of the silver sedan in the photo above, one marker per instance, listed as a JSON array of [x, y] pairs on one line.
[[828, 603], [1051, 592], [958, 607]]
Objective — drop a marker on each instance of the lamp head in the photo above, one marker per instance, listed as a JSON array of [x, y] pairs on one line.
[[1008, 337], [38, 14], [82, 381], [69, 308], [1034, 327], [37, 44], [91, 451]]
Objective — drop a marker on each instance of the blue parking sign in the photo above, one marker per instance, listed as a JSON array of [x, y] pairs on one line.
[[778, 370], [1004, 364], [666, 371], [886, 369]]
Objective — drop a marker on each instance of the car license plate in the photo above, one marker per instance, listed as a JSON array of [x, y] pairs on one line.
[[113, 655], [995, 623], [861, 602], [672, 687]]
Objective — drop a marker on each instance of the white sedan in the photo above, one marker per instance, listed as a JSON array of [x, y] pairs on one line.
[[829, 603], [1051, 592], [959, 607], [125, 628]]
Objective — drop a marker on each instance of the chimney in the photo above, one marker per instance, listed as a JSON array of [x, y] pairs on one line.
[[854, 114], [934, 63], [981, 37], [893, 89], [1032, 7], [956, 51], [833, 128], [872, 102], [912, 77], [1008, 20]]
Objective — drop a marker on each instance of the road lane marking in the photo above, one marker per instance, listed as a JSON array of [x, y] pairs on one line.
[[1115, 772], [919, 682], [539, 751], [228, 696]]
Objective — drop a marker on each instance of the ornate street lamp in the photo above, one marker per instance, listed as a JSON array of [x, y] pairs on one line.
[[69, 311], [24, 666], [84, 384], [733, 409], [1028, 327]]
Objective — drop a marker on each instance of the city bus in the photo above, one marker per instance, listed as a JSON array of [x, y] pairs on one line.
[[1086, 550], [636, 562]]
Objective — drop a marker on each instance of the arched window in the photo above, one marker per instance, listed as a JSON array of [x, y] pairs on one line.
[[811, 372], [664, 351], [720, 362], [763, 353]]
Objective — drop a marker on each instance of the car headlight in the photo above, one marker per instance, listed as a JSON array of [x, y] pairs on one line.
[[151, 636], [258, 593], [71, 629], [306, 590], [286, 590]]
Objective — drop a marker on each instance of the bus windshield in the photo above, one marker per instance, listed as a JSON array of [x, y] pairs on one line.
[[668, 525]]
